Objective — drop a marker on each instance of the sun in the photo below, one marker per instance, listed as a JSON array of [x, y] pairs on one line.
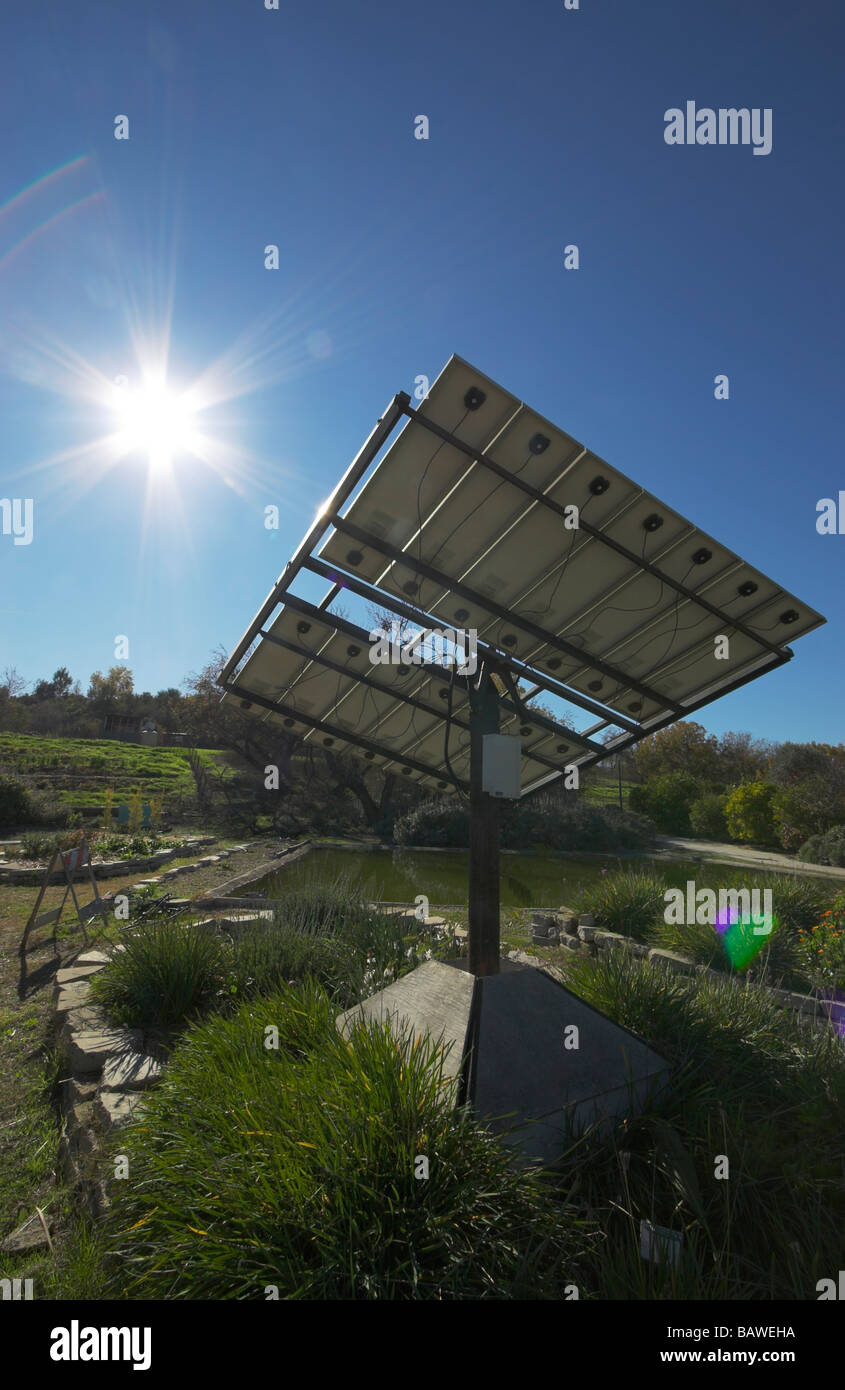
[[156, 421]]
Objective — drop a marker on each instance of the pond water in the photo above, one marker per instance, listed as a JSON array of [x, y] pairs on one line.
[[526, 880]]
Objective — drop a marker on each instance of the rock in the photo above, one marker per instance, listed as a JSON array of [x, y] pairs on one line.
[[74, 973], [586, 933], [115, 1108], [72, 996], [93, 958], [88, 1019], [74, 1092], [129, 1071], [89, 1049], [586, 919], [672, 960], [610, 940], [30, 1235]]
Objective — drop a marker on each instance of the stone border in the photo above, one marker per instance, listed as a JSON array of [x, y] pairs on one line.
[[564, 930], [109, 1071], [112, 868], [223, 895]]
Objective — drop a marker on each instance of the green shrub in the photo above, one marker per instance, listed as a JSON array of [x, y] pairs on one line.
[[443, 823], [707, 816], [749, 813], [797, 899], [776, 958], [667, 800], [166, 975], [16, 804], [294, 1167], [531, 824], [749, 1081], [266, 957], [628, 902], [828, 848]]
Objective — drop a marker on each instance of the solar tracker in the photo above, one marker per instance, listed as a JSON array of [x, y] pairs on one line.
[[471, 511]]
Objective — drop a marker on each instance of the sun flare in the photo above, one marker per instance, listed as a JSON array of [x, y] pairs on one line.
[[156, 421]]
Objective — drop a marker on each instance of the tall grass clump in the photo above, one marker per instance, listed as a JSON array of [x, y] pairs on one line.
[[293, 1167], [380, 946], [798, 900], [628, 902], [751, 1084], [265, 957], [777, 957], [167, 974]]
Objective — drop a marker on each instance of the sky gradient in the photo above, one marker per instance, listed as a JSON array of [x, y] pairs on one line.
[[295, 127]]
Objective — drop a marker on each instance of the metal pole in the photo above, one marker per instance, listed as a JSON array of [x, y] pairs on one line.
[[483, 835]]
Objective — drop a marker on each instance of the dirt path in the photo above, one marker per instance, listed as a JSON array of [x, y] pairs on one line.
[[716, 853]]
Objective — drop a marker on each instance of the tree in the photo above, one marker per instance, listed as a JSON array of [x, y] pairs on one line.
[[667, 800], [683, 747], [742, 758], [62, 682], [105, 692], [749, 813], [12, 684]]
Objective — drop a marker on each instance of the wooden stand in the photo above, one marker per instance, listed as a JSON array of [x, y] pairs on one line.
[[71, 860]]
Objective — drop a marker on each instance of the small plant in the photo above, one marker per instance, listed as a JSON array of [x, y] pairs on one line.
[[108, 805], [136, 813], [16, 805], [828, 848], [166, 975], [775, 958], [823, 947], [629, 902]]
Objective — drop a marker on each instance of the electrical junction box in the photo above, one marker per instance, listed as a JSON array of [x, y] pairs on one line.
[[501, 766]]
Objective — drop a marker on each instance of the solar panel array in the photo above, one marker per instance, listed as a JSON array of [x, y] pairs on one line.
[[565, 567]]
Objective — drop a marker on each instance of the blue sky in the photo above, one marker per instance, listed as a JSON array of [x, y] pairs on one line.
[[250, 127]]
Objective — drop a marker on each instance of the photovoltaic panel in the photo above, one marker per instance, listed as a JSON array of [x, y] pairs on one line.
[[481, 514]]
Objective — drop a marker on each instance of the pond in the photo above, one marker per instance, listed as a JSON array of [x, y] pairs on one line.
[[526, 880]]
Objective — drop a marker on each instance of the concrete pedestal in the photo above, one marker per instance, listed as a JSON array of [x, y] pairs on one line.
[[533, 1059]]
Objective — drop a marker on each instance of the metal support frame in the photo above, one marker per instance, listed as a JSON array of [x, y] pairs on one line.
[[343, 625], [334, 731], [519, 668], [485, 701], [353, 475], [465, 591]]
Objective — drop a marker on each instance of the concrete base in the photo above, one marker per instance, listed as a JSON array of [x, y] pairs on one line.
[[507, 1036]]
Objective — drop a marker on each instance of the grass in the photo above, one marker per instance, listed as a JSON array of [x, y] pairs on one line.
[[750, 1083], [629, 902], [171, 972], [632, 902], [79, 771], [167, 973], [741, 1155], [330, 1136]]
